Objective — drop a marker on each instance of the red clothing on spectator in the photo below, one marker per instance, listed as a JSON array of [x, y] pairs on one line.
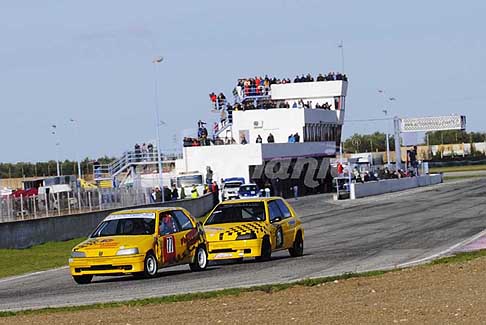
[[340, 168]]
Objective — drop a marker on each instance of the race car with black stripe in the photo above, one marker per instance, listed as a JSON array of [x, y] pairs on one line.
[[253, 227], [140, 242]]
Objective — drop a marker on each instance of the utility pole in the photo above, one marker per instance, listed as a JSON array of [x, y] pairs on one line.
[[57, 143], [341, 46], [75, 152], [155, 62]]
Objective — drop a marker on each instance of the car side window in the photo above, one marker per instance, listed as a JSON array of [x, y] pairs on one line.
[[274, 211], [285, 210], [183, 220], [167, 224]]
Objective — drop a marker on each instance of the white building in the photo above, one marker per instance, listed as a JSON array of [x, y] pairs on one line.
[[319, 130]]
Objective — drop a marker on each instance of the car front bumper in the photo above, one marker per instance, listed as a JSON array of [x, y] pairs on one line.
[[234, 249], [106, 265]]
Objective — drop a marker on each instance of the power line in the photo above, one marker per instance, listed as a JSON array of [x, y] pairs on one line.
[[371, 120]]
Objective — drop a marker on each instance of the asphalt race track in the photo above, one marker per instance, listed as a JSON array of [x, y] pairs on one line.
[[344, 236]]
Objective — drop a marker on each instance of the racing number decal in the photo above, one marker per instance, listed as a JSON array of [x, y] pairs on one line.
[[169, 245], [169, 249]]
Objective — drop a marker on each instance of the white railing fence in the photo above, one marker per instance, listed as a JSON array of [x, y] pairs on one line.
[[66, 203]]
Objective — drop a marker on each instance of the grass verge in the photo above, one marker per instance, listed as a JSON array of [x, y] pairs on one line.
[[36, 258], [452, 178], [457, 168], [458, 258]]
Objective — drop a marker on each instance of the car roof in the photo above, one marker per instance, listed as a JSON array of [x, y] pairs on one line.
[[145, 210], [251, 200]]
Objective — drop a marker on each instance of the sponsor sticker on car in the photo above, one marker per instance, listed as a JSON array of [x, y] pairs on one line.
[[223, 255]]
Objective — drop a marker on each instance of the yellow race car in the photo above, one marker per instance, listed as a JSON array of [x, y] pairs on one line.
[[140, 242], [253, 228]]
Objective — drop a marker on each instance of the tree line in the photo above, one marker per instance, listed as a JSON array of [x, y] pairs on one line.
[[49, 168], [377, 141]]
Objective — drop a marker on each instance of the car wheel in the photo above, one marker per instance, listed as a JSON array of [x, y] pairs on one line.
[[82, 279], [297, 248], [150, 266], [200, 260], [266, 250]]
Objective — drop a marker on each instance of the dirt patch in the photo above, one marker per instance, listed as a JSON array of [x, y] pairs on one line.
[[440, 294]]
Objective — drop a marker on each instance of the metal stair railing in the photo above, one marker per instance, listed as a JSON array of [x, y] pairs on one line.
[[128, 159], [224, 128]]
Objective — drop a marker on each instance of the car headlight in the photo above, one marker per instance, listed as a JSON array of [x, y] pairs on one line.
[[75, 254], [250, 235], [127, 251]]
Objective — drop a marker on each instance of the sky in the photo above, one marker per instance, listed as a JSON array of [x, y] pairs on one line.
[[91, 62]]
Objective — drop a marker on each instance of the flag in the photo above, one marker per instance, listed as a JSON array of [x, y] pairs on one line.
[[158, 59]]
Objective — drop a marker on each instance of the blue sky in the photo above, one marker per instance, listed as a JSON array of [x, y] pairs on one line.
[[91, 61]]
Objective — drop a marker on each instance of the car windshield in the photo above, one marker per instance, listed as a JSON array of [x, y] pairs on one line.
[[232, 185], [237, 212], [126, 226], [189, 180]]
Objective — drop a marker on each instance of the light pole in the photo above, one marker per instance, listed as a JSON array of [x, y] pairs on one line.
[[386, 103], [341, 46], [75, 152], [57, 142], [387, 141], [155, 62]]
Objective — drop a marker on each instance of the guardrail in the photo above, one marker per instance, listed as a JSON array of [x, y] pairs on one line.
[[66, 203], [360, 190], [26, 233]]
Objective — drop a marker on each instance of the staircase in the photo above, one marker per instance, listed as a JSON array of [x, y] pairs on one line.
[[223, 131], [105, 174]]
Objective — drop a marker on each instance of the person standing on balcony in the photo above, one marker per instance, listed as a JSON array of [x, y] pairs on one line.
[[144, 151], [296, 137], [270, 138], [212, 97], [150, 149], [137, 152], [221, 101], [257, 85], [259, 139]]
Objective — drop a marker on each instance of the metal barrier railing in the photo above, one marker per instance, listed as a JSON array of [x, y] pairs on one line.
[[66, 203], [130, 158]]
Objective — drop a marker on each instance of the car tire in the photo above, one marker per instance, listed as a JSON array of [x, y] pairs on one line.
[[150, 266], [82, 279], [200, 260], [266, 250], [297, 248]]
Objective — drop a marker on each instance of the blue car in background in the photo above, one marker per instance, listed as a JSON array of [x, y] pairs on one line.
[[249, 190]]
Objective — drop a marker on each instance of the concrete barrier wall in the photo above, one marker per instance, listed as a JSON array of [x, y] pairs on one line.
[[23, 234], [359, 190]]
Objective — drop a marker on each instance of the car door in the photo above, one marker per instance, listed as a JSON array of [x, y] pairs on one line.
[[167, 239], [187, 238], [288, 223], [279, 225]]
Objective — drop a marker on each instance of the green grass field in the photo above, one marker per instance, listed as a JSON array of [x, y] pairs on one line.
[[37, 258], [457, 169]]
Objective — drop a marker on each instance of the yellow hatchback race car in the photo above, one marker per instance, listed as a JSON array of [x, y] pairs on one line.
[[253, 228], [140, 242]]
